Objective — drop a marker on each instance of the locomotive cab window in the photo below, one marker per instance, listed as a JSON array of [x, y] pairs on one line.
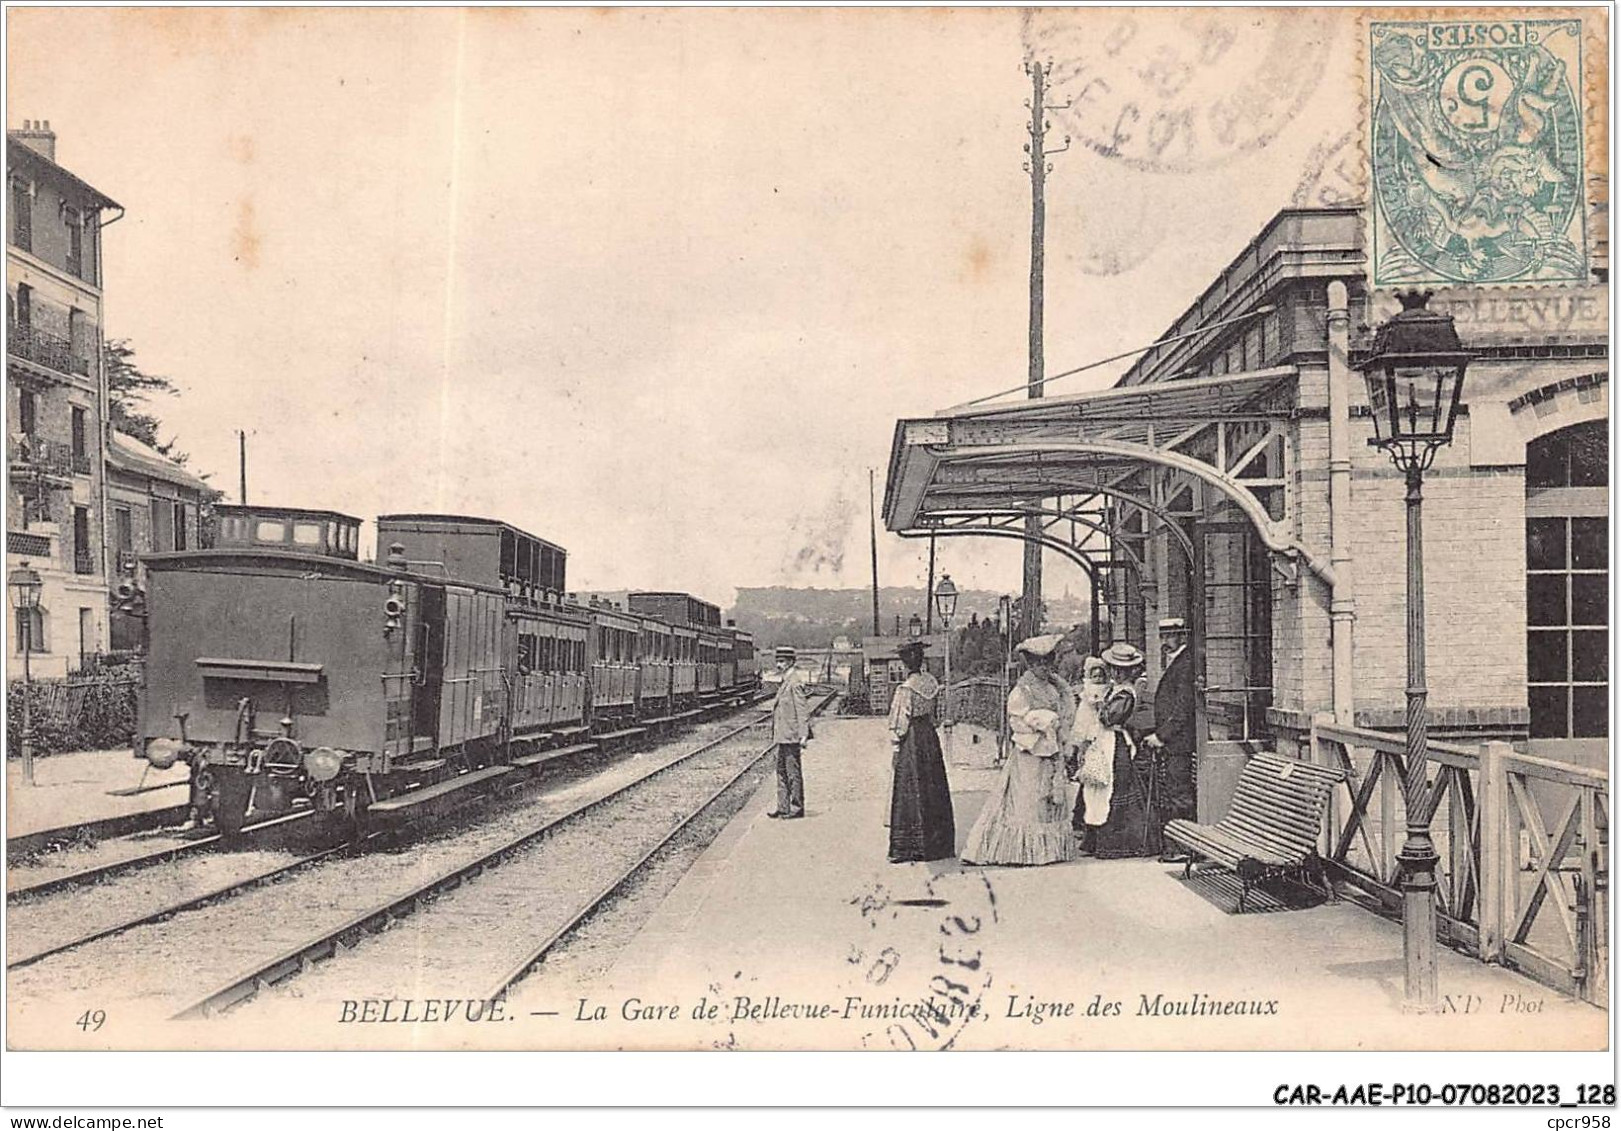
[[269, 530], [307, 533]]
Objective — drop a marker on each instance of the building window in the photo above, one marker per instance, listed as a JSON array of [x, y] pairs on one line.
[[1567, 535], [162, 525], [25, 306], [22, 216], [180, 526], [87, 637], [27, 412], [31, 631], [75, 224], [83, 560], [124, 538], [79, 342], [81, 444]]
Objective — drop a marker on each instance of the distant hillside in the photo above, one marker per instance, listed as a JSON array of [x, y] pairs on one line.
[[811, 618]]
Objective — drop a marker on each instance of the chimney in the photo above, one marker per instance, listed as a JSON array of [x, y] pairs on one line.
[[38, 137]]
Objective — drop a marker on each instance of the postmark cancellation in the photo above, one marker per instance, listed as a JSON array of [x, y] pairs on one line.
[[1476, 133]]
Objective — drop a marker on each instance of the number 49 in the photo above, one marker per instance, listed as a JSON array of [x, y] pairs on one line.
[[91, 1020]]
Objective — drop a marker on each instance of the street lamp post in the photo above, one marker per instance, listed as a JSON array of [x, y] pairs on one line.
[[25, 586], [1415, 376], [914, 627], [945, 603]]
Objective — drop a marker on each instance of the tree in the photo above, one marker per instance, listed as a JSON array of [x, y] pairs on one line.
[[128, 388]]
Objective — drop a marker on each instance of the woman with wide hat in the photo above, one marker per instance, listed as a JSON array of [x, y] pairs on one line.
[[1113, 812], [1027, 818], [921, 825]]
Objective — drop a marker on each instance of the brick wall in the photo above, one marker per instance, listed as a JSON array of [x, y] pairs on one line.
[[1474, 573]]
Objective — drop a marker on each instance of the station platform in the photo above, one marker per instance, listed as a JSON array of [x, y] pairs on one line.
[[78, 788], [800, 935]]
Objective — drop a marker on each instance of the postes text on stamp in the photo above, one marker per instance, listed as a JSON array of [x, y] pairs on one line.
[[1475, 138]]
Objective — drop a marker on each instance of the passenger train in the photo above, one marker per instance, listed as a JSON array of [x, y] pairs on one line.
[[286, 672]]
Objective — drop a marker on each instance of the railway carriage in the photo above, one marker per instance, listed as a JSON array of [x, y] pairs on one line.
[[654, 660], [684, 669], [703, 618], [287, 672], [615, 666], [747, 674]]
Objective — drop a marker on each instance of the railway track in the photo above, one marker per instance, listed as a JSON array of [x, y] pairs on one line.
[[193, 922], [458, 903], [161, 854], [19, 848], [173, 895]]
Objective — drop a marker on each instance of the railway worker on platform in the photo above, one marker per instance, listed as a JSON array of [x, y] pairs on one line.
[[790, 730], [1026, 820], [1172, 742]]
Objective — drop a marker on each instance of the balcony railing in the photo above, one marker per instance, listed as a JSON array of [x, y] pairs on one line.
[[34, 455], [83, 560], [126, 561], [44, 348]]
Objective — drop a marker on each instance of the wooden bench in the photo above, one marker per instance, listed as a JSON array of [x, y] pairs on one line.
[[1272, 826]]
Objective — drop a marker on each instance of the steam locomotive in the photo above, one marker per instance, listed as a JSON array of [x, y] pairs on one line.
[[288, 673]]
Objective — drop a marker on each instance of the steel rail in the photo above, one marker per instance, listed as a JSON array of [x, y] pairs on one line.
[[157, 856], [24, 844], [226, 889], [332, 941], [231, 887], [517, 972]]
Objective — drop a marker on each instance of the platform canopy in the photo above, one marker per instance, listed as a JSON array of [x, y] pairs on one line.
[[1102, 470]]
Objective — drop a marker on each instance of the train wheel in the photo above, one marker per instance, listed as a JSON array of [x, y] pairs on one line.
[[354, 813], [231, 804], [204, 793]]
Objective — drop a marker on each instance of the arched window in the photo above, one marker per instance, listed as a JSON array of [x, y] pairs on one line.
[[1567, 538]]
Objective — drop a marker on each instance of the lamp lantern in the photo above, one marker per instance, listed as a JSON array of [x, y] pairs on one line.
[[945, 598]]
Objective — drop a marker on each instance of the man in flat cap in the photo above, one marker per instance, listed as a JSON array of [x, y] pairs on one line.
[[790, 730], [1173, 740]]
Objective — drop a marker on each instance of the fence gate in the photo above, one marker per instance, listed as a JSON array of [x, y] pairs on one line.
[[1230, 628]]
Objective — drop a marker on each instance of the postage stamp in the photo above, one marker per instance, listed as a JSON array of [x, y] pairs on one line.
[[1475, 135]]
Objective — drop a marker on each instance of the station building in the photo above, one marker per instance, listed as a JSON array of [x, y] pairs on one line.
[[1227, 478]]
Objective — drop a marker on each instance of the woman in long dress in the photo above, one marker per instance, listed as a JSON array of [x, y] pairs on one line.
[[921, 824], [1027, 819], [1112, 814]]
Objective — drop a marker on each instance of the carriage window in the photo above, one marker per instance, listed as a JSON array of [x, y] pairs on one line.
[[307, 533], [270, 531]]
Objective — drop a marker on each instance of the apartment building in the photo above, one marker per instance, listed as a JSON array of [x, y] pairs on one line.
[[56, 401]]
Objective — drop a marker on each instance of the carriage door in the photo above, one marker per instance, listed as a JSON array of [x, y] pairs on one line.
[[1231, 638], [430, 668]]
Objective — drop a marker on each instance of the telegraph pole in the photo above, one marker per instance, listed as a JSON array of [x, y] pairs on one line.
[[242, 467], [1038, 168]]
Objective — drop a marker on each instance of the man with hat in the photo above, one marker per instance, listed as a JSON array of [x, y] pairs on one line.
[[1173, 740], [790, 730], [1112, 815]]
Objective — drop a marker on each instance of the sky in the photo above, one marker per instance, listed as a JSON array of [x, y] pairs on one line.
[[654, 284]]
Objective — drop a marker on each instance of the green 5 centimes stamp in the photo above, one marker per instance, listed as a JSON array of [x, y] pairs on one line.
[[1476, 138]]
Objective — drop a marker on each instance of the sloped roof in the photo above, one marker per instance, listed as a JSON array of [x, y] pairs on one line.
[[126, 453]]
